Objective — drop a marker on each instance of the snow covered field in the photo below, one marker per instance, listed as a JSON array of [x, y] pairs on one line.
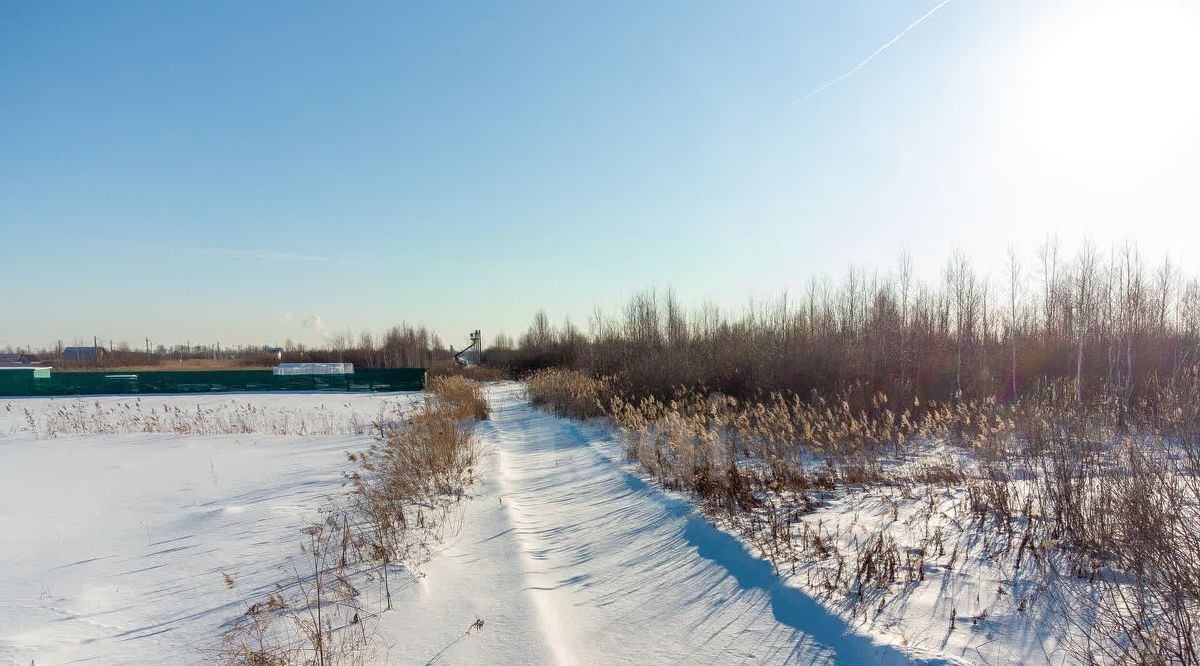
[[114, 545]]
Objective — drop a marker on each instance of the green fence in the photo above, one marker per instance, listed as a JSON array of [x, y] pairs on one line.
[[24, 383]]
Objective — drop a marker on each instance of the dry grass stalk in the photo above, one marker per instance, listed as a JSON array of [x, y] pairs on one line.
[[1093, 490], [463, 397], [403, 494]]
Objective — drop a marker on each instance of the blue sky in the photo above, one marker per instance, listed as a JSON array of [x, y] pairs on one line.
[[228, 171]]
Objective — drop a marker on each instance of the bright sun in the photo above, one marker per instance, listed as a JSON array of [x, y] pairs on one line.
[[1116, 87]]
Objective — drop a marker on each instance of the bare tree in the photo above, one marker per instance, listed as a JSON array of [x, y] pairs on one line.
[[1085, 287], [1015, 293]]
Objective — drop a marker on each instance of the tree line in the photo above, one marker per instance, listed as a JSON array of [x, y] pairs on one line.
[[1106, 323]]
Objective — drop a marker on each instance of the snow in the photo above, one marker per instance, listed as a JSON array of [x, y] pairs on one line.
[[569, 558], [115, 542], [1003, 615]]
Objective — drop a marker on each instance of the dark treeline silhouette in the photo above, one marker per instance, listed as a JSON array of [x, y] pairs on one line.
[[1106, 323], [402, 346]]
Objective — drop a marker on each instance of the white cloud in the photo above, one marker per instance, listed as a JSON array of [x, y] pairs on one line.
[[314, 322]]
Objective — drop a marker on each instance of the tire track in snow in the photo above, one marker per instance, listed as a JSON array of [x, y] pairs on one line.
[[548, 622]]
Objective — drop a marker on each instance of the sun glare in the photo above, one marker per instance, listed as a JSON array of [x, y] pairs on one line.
[[1116, 87]]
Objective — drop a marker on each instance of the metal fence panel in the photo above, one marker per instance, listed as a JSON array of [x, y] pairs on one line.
[[363, 380]]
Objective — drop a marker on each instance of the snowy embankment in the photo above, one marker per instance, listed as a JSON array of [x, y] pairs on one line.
[[115, 544]]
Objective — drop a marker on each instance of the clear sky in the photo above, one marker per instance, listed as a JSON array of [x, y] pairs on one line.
[[231, 171]]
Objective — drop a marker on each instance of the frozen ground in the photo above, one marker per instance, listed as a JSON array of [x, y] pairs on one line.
[[114, 544]]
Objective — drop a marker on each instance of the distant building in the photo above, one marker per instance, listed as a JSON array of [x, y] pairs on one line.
[[18, 359], [313, 369], [83, 353], [277, 352]]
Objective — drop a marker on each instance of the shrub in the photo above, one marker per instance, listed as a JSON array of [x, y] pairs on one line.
[[569, 392], [462, 397]]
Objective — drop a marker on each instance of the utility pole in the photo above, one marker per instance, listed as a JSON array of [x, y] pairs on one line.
[[147, 346]]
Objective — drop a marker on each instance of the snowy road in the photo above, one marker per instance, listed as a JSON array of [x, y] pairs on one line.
[[570, 559]]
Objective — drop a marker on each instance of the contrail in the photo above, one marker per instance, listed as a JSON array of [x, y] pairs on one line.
[[893, 40]]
